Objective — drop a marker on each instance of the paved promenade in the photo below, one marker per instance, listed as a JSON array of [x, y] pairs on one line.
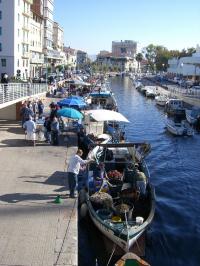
[[34, 230]]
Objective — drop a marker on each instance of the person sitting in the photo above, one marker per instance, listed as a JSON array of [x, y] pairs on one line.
[[141, 181]]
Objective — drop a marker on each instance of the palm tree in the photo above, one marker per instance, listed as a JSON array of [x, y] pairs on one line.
[[139, 58]]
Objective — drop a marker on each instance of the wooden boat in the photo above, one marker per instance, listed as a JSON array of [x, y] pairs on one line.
[[179, 128], [122, 206], [131, 259]]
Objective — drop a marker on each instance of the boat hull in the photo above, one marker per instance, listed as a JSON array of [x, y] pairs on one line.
[[124, 243]]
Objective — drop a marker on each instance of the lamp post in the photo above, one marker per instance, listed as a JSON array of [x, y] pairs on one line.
[[163, 67]]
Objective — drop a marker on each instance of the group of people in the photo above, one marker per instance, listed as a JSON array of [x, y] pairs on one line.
[[32, 113], [29, 112]]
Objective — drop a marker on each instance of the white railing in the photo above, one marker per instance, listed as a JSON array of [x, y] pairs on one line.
[[14, 91], [192, 93]]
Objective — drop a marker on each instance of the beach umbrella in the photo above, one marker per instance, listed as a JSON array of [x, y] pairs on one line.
[[70, 113], [72, 102]]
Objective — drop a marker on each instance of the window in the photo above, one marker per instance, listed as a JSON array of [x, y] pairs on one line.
[[0, 29], [0, 14], [3, 62], [0, 46]]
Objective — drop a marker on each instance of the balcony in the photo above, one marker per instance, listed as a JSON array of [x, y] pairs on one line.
[[29, 1], [37, 60], [25, 55], [27, 13]]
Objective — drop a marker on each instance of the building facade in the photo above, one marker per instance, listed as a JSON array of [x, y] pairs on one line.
[[125, 48], [82, 58], [15, 18], [71, 58], [186, 66], [37, 39], [114, 63]]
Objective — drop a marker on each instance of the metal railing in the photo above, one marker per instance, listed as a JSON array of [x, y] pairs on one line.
[[14, 91], [192, 92]]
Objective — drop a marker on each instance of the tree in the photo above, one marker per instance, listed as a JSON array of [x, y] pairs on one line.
[[139, 58]]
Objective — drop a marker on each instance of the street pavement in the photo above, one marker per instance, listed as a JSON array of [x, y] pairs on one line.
[[34, 230]]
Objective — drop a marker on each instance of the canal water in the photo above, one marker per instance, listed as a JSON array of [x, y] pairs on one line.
[[174, 164]]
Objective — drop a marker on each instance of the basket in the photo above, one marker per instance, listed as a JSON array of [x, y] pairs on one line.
[[124, 214]]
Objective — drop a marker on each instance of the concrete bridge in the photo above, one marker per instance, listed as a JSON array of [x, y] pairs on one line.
[[13, 94]]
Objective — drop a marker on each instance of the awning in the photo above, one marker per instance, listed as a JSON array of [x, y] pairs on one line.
[[107, 115]]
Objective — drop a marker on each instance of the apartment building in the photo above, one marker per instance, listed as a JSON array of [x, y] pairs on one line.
[[15, 18], [71, 58], [58, 43], [127, 48], [82, 58], [36, 39]]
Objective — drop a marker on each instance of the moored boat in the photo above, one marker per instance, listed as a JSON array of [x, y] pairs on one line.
[[175, 107], [102, 98], [192, 115], [123, 206], [151, 91], [179, 128], [131, 259], [161, 100]]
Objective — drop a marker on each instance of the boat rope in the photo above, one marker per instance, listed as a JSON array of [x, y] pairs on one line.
[[127, 229], [112, 253], [114, 248]]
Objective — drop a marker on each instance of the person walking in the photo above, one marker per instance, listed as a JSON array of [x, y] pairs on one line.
[[25, 113], [30, 128], [74, 166], [54, 131], [47, 126], [40, 108]]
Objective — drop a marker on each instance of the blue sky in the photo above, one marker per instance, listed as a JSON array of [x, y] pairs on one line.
[[92, 25]]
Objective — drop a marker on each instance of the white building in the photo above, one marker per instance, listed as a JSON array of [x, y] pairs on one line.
[[186, 66], [71, 58], [15, 18], [48, 31], [36, 39], [58, 43]]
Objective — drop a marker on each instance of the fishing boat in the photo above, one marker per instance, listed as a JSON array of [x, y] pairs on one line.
[[102, 121], [122, 206], [192, 115], [161, 100], [131, 259], [151, 92], [102, 98], [175, 107], [179, 128]]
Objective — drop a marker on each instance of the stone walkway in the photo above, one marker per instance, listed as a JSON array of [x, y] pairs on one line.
[[33, 229]]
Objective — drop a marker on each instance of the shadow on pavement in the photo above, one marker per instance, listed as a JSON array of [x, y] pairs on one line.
[[19, 197], [14, 143], [64, 141], [58, 178], [16, 130]]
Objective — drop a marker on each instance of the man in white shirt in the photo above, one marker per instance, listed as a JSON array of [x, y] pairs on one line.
[[73, 169], [30, 128]]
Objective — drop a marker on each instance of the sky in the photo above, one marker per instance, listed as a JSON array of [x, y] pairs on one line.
[[92, 25]]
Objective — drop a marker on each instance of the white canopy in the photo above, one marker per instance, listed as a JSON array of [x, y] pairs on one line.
[[107, 115]]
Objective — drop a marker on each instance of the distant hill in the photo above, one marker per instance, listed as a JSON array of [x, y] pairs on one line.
[[92, 57]]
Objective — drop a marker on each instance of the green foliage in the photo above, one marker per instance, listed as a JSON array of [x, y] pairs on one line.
[[158, 56]]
